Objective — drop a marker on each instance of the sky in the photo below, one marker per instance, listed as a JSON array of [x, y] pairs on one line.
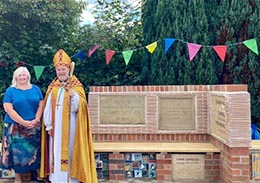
[[88, 18]]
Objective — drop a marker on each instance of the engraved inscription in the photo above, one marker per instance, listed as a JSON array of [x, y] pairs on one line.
[[219, 117], [122, 109], [188, 167], [177, 114]]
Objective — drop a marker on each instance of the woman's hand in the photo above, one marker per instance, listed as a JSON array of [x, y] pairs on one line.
[[27, 124], [35, 122]]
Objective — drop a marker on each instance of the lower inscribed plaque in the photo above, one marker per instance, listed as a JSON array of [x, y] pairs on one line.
[[122, 109], [188, 167], [177, 113]]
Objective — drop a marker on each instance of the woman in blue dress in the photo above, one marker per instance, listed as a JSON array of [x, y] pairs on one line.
[[23, 104]]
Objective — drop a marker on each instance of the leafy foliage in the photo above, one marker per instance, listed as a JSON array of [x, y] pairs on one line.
[[32, 31], [117, 27], [185, 20]]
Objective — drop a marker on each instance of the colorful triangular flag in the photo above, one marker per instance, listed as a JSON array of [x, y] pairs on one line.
[[20, 63], [193, 50], [38, 71], [152, 47], [221, 50], [3, 64], [109, 55], [92, 50], [252, 45], [167, 43], [80, 55], [127, 56]]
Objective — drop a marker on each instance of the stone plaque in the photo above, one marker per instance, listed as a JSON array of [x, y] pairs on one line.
[[256, 166], [218, 123], [122, 109], [188, 167], [177, 114]]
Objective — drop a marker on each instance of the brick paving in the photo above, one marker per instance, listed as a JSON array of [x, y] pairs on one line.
[[126, 181]]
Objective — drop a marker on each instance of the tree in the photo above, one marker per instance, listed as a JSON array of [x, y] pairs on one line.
[[32, 32], [118, 28], [183, 20]]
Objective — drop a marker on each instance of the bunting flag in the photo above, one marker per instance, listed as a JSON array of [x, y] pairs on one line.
[[127, 56], [109, 55], [20, 63], [152, 47], [3, 64], [79, 55], [252, 45], [38, 71], [167, 43], [221, 51], [92, 50], [193, 49]]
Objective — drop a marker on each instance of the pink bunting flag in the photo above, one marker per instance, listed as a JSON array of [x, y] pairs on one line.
[[92, 50], [109, 55], [193, 50], [221, 51]]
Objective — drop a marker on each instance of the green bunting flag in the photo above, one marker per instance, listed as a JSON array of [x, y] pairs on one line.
[[38, 71], [127, 56], [252, 45]]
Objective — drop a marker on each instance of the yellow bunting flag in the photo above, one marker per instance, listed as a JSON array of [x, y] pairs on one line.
[[152, 47]]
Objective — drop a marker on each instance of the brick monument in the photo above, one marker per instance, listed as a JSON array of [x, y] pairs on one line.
[[218, 115]]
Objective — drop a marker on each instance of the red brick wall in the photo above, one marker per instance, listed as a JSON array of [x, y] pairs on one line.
[[150, 137], [222, 88], [164, 167], [212, 167], [235, 163]]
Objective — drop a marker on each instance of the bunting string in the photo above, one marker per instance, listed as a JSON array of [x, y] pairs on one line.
[[193, 49]]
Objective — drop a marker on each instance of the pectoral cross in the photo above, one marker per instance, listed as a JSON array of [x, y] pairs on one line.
[[57, 106]]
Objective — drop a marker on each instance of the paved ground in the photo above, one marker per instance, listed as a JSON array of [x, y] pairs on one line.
[[128, 181]]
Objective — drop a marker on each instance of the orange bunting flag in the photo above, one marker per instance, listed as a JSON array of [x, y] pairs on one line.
[[151, 47], [252, 45], [38, 71], [193, 50], [221, 51], [127, 56], [109, 55]]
